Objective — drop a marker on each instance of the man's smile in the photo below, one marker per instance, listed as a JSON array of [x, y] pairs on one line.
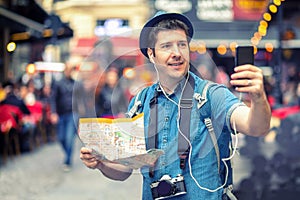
[[175, 64]]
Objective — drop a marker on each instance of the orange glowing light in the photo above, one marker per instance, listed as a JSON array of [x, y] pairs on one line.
[[277, 2], [201, 48], [267, 17], [273, 8], [269, 47], [263, 23], [222, 49], [232, 46], [129, 73], [30, 68]]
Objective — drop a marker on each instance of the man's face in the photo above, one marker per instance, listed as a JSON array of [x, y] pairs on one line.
[[172, 55]]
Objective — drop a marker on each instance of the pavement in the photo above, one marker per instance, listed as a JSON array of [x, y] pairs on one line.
[[39, 175]]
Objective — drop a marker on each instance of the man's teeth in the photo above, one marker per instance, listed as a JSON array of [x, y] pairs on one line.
[[175, 64]]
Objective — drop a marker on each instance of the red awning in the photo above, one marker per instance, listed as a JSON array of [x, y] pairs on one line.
[[84, 46], [122, 46]]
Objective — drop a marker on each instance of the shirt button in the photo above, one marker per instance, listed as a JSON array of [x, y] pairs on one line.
[[166, 119], [163, 163], [165, 141]]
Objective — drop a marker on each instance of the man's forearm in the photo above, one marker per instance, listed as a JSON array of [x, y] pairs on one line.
[[259, 118], [253, 121], [114, 171]]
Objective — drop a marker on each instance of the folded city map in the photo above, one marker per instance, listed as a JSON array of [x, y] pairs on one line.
[[120, 140]]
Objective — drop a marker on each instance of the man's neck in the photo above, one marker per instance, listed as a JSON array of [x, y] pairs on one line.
[[167, 89], [169, 86]]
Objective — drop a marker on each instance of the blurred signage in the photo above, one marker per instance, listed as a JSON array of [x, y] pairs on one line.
[[49, 66], [215, 10], [249, 9], [180, 6], [112, 27], [87, 66]]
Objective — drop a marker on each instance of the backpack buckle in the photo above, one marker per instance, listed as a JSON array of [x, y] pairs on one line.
[[182, 160], [201, 100], [186, 103]]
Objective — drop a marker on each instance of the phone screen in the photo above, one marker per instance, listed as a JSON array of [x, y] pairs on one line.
[[244, 55]]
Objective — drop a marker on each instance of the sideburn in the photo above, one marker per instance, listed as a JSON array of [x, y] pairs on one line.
[[153, 50]]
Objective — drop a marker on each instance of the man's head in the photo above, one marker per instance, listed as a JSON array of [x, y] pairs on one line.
[[165, 41], [160, 22], [69, 69]]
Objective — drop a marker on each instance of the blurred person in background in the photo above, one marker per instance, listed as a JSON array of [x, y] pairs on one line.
[[298, 93], [111, 101], [16, 105], [45, 99], [64, 113], [2, 92], [289, 85], [92, 82], [29, 122], [13, 98]]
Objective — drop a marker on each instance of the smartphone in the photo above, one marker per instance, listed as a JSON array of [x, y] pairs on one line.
[[244, 55]]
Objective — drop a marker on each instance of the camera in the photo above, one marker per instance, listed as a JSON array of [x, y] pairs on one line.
[[168, 187]]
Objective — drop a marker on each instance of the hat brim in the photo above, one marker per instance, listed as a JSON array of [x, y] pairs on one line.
[[144, 35]]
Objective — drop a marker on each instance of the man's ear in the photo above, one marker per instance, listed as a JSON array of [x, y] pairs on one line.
[[151, 59], [150, 55]]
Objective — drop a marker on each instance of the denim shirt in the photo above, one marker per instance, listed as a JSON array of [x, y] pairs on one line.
[[203, 160]]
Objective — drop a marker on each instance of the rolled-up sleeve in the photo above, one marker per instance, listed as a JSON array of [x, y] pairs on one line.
[[229, 113]]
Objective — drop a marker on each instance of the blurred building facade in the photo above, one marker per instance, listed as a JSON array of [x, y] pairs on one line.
[[70, 30], [95, 21], [29, 34]]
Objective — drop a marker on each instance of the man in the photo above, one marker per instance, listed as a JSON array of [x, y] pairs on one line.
[[164, 40], [111, 99], [64, 113]]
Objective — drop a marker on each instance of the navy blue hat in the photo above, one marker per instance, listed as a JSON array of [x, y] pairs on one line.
[[144, 35]]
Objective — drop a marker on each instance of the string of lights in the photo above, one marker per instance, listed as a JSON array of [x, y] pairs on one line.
[[258, 35], [262, 28]]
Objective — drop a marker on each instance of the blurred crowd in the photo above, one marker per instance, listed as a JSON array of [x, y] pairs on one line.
[[289, 86], [25, 122], [34, 112]]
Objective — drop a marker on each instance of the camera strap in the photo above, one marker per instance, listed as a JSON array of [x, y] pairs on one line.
[[186, 104]]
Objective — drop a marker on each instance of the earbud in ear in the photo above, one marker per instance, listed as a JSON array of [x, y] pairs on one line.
[[151, 59]]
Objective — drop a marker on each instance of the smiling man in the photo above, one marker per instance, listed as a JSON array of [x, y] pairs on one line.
[[189, 118]]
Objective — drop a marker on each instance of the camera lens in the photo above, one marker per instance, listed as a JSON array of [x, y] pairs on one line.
[[165, 188]]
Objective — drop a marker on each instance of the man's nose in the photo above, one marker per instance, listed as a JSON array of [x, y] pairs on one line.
[[175, 50]]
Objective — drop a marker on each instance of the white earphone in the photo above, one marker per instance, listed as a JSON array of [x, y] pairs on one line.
[[151, 59]]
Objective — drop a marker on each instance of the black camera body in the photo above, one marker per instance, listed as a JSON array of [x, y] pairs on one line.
[[168, 187]]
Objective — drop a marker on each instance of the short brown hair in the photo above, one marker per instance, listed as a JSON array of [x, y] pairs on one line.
[[167, 24]]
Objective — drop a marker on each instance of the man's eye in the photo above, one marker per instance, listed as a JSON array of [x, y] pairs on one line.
[[165, 46], [182, 44]]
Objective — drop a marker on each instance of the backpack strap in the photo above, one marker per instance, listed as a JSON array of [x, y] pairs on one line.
[[186, 105], [139, 99], [210, 128], [227, 193], [202, 99], [206, 117]]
